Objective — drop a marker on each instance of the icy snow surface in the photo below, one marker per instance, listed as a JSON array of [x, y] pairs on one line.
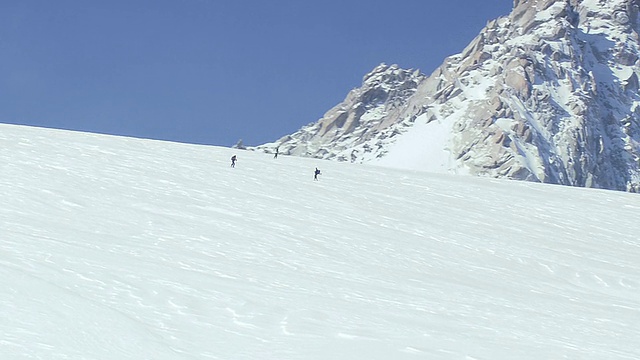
[[119, 248], [422, 147]]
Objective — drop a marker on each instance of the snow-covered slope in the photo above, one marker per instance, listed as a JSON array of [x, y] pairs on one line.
[[117, 248], [548, 93]]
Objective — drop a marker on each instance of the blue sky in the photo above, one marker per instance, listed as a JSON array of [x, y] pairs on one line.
[[212, 71]]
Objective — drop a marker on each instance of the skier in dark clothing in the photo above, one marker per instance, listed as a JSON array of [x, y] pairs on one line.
[[276, 153], [233, 161], [315, 174]]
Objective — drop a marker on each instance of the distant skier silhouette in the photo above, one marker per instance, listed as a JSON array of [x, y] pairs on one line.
[[275, 156], [315, 174], [233, 161]]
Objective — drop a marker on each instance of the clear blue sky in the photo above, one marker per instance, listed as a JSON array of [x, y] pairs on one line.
[[212, 71]]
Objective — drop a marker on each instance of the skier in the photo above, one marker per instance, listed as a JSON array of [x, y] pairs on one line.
[[233, 161], [276, 153], [315, 174]]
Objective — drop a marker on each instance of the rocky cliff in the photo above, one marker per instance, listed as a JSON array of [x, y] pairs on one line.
[[548, 93]]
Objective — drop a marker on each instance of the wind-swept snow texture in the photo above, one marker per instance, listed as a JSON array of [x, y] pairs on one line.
[[117, 248]]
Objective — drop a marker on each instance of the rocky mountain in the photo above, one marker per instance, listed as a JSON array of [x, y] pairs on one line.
[[548, 93]]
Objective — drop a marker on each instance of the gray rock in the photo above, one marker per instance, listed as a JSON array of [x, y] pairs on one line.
[[548, 93]]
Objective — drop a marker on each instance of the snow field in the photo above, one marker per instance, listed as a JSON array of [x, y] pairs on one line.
[[119, 248]]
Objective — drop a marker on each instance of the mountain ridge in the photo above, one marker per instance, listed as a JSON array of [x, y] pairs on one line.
[[548, 93]]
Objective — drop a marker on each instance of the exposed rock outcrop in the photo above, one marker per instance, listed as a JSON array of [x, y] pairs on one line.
[[548, 93]]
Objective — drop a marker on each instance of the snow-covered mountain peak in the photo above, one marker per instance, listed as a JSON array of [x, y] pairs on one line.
[[388, 76], [548, 93]]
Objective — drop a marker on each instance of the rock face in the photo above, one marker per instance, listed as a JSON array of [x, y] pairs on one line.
[[548, 94], [368, 114]]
